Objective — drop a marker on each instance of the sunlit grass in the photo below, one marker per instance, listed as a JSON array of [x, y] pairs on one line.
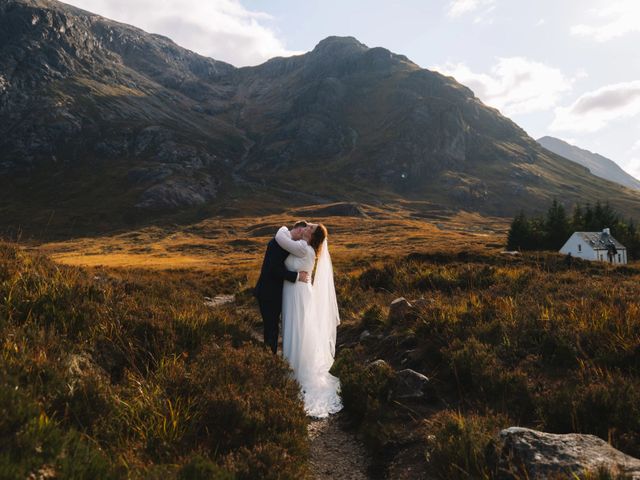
[[127, 374], [525, 340]]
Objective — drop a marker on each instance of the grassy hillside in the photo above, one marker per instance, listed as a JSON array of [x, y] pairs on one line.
[[128, 375], [528, 341]]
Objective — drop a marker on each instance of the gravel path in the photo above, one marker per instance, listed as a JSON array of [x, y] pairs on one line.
[[335, 452]]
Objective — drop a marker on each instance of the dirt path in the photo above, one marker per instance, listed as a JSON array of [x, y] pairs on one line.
[[335, 452]]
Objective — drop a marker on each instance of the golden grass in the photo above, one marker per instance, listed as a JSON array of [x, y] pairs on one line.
[[239, 243]]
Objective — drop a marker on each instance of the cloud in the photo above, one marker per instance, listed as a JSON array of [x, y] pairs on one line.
[[515, 85], [615, 20], [458, 8], [222, 29], [594, 110]]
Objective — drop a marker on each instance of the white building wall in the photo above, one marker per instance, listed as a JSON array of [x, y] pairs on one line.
[[579, 248]]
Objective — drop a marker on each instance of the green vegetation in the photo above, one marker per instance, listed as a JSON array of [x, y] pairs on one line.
[[505, 341], [554, 229], [127, 375]]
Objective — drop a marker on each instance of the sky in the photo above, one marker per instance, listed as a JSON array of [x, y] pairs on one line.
[[565, 68]]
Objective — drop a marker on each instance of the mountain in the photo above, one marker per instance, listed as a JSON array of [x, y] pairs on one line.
[[103, 125], [596, 163]]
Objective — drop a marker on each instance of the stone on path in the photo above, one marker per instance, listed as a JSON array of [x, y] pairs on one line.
[[547, 455]]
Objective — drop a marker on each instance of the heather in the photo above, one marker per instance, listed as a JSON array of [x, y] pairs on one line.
[[505, 340], [126, 374]]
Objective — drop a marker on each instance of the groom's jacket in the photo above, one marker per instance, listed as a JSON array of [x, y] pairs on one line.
[[273, 274]]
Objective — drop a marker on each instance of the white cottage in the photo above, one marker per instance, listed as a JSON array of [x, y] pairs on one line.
[[599, 246]]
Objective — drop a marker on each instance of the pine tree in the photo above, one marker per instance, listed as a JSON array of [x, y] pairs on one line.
[[577, 219], [519, 233], [556, 226], [538, 234], [588, 221]]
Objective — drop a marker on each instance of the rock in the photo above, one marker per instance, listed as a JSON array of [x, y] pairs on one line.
[[526, 453], [219, 300], [364, 335], [398, 309], [409, 384], [179, 192], [412, 356], [148, 174], [379, 364], [80, 367], [422, 303]]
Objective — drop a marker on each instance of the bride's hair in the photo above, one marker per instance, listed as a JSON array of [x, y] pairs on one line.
[[318, 236]]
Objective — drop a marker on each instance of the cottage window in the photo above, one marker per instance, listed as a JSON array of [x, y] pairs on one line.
[[619, 258], [579, 248]]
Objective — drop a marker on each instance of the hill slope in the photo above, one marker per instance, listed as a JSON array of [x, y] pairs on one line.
[[596, 163], [103, 125]]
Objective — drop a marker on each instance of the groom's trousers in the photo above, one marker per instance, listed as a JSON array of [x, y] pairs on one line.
[[270, 312]]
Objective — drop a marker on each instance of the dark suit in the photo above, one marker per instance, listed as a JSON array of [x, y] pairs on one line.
[[268, 291]]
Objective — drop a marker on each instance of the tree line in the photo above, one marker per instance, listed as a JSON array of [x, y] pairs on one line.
[[552, 230]]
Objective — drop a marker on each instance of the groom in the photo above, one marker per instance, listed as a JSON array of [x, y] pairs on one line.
[[268, 290]]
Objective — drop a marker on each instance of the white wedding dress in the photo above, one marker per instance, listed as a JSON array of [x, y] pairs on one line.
[[309, 322]]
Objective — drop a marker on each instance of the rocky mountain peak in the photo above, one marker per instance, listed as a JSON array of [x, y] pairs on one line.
[[120, 114], [339, 45]]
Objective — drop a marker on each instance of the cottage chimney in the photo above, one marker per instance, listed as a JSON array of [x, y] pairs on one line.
[[606, 231]]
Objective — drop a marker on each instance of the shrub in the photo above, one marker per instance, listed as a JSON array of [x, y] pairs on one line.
[[31, 441], [201, 468], [373, 318], [460, 446], [164, 382], [365, 388]]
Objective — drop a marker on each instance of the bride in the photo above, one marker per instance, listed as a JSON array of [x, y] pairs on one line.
[[310, 319]]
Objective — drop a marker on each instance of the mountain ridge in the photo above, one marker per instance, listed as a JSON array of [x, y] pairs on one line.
[[597, 164], [134, 128]]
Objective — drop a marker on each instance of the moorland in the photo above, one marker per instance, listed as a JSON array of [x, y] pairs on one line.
[[115, 367]]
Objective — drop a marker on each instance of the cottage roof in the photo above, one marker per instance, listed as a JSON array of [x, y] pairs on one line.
[[600, 240]]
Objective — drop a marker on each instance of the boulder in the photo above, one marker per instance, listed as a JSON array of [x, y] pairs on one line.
[[379, 364], [408, 383], [80, 368], [526, 453], [398, 309]]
